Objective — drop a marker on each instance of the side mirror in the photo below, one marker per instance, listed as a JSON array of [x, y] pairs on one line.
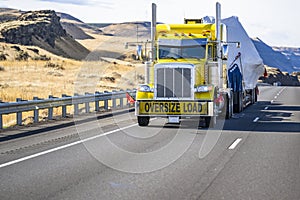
[[224, 51]]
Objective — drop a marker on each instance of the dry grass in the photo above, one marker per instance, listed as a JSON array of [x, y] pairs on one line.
[[28, 79]]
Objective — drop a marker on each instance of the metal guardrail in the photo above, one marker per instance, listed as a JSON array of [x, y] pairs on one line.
[[37, 104]]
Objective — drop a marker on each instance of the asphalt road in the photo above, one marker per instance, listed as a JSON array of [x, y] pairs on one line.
[[254, 155]]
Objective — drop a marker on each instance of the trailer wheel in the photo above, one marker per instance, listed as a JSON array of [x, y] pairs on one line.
[[143, 121], [229, 107], [238, 102], [253, 96], [241, 102], [256, 93]]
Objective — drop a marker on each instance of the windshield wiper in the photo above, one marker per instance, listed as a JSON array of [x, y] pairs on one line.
[[169, 57], [195, 57]]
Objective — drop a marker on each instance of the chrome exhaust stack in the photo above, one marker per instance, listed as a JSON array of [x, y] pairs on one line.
[[149, 64], [219, 45]]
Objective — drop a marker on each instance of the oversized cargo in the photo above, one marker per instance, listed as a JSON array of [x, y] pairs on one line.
[[250, 63]]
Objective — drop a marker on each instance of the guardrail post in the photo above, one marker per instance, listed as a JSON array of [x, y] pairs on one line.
[[87, 105], [19, 114], [36, 112], [121, 100], [76, 109], [114, 100], [50, 110], [106, 103], [96, 101], [64, 108]]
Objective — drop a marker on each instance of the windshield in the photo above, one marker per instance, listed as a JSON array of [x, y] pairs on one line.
[[197, 52], [182, 48]]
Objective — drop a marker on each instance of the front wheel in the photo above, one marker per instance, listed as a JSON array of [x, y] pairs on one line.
[[210, 121], [143, 121]]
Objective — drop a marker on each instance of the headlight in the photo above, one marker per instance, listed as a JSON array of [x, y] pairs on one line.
[[203, 88], [145, 88]]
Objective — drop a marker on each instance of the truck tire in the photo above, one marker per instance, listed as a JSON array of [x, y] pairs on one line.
[[210, 122], [256, 93], [143, 121], [238, 102], [253, 96], [229, 107]]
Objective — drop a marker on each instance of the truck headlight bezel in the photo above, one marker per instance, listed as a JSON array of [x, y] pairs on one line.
[[203, 88], [145, 88]]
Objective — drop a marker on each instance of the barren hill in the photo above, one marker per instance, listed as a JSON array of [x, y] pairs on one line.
[[76, 28], [129, 29]]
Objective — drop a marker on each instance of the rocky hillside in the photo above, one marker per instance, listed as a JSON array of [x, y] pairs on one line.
[[42, 29], [292, 54], [8, 14], [282, 64], [273, 58]]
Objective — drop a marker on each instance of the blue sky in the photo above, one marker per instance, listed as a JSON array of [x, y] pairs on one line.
[[273, 21]]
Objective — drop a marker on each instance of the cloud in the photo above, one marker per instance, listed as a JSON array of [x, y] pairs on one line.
[[80, 2], [76, 2]]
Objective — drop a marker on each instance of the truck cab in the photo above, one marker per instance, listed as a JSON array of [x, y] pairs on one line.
[[183, 78]]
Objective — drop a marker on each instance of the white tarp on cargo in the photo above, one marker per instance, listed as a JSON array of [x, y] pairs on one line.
[[252, 66]]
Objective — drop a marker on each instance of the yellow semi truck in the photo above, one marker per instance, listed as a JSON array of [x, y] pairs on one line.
[[187, 76]]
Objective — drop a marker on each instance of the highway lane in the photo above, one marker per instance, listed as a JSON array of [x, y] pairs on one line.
[[256, 157], [267, 165]]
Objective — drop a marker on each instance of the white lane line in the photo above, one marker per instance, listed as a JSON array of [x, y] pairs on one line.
[[266, 108], [256, 119], [272, 101], [235, 143], [62, 147], [275, 97]]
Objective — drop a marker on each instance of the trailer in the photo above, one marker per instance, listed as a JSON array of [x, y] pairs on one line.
[[247, 67]]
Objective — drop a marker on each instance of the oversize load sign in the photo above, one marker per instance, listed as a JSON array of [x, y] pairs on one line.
[[173, 108]]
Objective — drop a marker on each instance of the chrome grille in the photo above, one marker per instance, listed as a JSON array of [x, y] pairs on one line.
[[174, 81]]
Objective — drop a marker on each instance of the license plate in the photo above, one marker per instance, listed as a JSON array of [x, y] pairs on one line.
[[173, 108], [173, 120]]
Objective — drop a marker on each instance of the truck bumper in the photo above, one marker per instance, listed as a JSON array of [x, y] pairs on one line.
[[174, 108]]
